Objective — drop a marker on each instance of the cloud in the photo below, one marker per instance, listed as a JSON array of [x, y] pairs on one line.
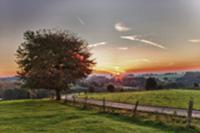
[[122, 48], [153, 44], [194, 41], [80, 20], [133, 38], [97, 44], [145, 60], [121, 27], [138, 38]]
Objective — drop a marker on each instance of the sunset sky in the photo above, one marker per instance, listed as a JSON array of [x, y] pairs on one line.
[[124, 35]]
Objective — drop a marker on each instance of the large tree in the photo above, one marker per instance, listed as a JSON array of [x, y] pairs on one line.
[[53, 59]]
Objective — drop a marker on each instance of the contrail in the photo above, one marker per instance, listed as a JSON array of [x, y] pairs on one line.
[[137, 38], [80, 20], [153, 44], [97, 44]]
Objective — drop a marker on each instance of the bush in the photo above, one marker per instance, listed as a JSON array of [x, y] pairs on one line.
[[43, 93], [40, 93], [91, 89], [196, 85], [11, 94], [110, 88], [151, 84]]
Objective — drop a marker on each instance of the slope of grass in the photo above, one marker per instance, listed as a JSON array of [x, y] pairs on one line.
[[39, 116], [171, 98]]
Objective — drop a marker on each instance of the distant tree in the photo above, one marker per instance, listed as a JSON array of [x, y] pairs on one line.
[[53, 59], [196, 85], [172, 85], [10, 94], [110, 88], [166, 78], [91, 89], [151, 84]]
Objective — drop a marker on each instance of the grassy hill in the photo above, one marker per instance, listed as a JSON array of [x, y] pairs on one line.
[[39, 116], [171, 98]]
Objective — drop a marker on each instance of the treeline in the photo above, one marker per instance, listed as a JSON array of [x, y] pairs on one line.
[[12, 94]]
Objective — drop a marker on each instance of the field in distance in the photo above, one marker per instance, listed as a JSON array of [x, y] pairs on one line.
[[42, 116], [171, 98]]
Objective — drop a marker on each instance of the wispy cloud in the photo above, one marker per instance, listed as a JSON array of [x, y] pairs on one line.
[[121, 27], [144, 60], [122, 48], [80, 20], [133, 38], [153, 44], [138, 38], [194, 40], [97, 44]]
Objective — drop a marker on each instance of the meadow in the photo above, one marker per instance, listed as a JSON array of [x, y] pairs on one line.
[[41, 116], [171, 98]]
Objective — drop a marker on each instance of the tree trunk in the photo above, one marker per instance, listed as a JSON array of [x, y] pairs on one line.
[[58, 96]]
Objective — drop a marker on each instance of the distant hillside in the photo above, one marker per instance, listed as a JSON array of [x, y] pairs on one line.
[[9, 78], [8, 82]]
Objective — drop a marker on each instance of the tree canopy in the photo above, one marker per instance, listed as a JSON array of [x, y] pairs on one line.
[[53, 59], [151, 84]]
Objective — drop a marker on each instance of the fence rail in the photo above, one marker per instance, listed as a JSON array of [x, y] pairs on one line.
[[137, 107], [188, 113]]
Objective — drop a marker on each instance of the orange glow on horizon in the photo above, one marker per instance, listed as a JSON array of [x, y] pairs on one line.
[[151, 69], [8, 74], [120, 71]]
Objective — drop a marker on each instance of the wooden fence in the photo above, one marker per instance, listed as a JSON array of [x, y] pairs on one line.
[[104, 105]]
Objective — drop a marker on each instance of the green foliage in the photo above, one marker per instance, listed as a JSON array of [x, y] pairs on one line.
[[151, 84], [40, 93], [53, 59], [110, 88], [196, 85], [171, 98], [10, 94], [39, 116]]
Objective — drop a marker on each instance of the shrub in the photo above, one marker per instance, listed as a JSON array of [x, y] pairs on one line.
[[196, 85], [10, 94], [151, 84], [40, 93], [91, 89], [110, 88]]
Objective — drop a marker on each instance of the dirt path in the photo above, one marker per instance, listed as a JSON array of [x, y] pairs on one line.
[[142, 108]]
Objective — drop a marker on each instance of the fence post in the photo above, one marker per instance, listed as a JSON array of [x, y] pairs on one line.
[[189, 116], [104, 104], [85, 102], [135, 108]]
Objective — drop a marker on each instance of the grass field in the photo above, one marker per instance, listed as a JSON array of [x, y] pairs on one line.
[[37, 116], [171, 98]]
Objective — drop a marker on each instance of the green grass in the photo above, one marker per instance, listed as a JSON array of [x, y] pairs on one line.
[[171, 98], [38, 116]]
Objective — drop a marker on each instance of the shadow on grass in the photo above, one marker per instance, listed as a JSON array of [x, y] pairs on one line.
[[148, 123], [60, 116]]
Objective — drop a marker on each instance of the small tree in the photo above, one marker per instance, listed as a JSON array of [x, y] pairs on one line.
[[91, 89], [53, 59], [151, 84], [110, 88], [196, 85]]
